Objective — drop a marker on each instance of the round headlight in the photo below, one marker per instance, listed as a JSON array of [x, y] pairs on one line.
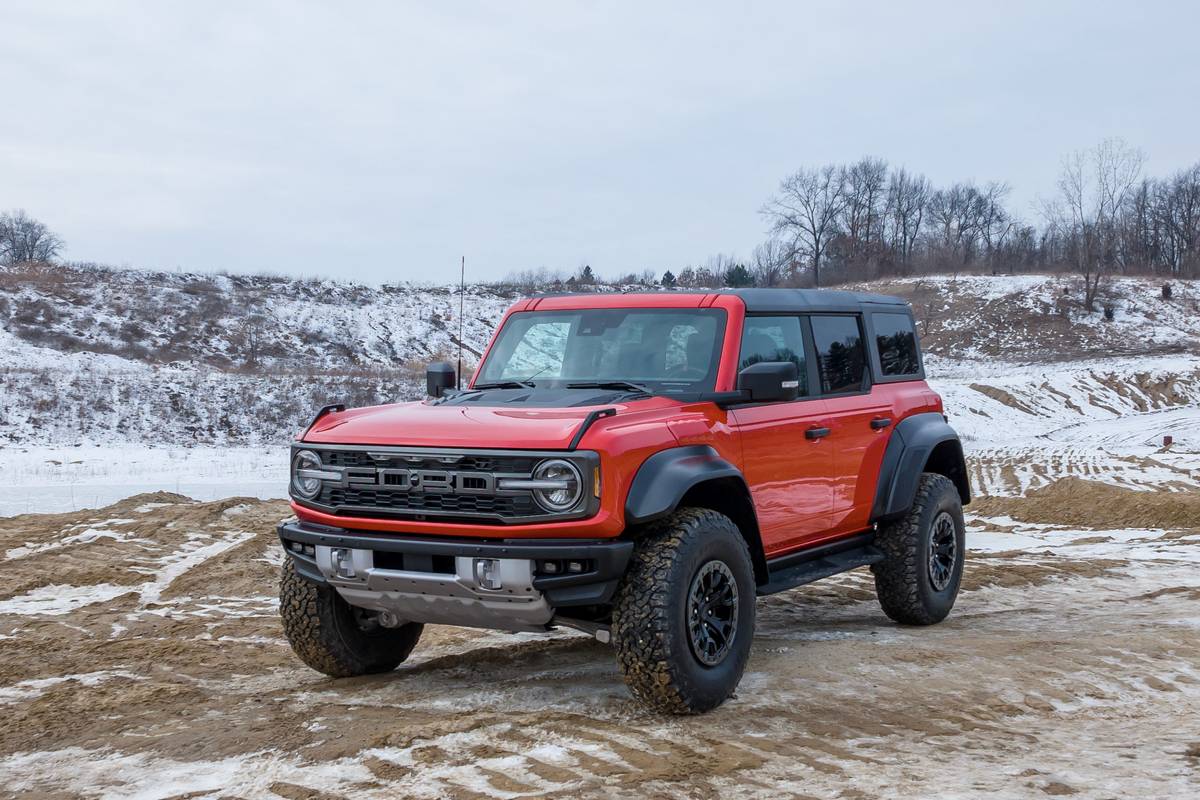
[[305, 486], [567, 485]]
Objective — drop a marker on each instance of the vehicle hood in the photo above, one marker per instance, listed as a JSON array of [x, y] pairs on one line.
[[444, 425]]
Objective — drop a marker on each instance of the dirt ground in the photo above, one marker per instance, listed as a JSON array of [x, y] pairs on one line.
[[140, 655]]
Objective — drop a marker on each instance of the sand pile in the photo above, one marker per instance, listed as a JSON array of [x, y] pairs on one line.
[[1074, 501]]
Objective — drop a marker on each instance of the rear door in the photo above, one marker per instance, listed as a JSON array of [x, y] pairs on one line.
[[859, 418], [785, 464]]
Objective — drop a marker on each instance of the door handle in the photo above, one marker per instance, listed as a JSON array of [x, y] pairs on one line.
[[879, 423], [816, 433]]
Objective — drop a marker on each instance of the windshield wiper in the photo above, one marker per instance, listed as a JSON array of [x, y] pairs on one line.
[[505, 385], [626, 385]]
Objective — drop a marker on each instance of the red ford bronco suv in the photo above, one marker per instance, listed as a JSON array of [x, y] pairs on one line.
[[639, 467]]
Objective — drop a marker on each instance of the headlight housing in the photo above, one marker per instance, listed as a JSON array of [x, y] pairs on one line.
[[305, 485], [561, 485]]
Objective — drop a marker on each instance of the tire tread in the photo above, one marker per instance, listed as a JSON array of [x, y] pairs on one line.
[[313, 623], [643, 631], [897, 577]]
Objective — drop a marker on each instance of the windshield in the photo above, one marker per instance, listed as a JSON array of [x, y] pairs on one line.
[[663, 350]]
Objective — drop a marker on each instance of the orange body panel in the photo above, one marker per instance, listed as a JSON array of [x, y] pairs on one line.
[[788, 475]]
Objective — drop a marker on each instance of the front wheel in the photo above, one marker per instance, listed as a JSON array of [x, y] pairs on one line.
[[918, 580], [334, 637], [683, 619]]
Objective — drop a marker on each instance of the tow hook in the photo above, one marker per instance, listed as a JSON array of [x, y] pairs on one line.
[[343, 562], [487, 573]]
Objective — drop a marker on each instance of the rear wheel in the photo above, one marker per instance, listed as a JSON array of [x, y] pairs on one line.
[[334, 637], [683, 620], [918, 580]]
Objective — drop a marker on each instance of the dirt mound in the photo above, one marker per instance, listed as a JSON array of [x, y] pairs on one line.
[[1001, 396], [190, 546], [1074, 501]]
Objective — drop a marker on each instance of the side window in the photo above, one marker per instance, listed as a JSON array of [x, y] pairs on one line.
[[774, 339], [840, 353], [897, 343]]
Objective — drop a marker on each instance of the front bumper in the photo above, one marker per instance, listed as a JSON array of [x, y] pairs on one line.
[[440, 580]]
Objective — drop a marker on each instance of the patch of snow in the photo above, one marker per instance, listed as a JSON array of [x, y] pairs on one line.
[[59, 599], [35, 687], [109, 774]]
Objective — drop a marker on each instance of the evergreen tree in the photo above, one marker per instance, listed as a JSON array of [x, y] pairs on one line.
[[738, 276], [668, 280]]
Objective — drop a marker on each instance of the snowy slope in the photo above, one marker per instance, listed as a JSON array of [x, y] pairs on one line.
[[92, 356], [1041, 318], [252, 323]]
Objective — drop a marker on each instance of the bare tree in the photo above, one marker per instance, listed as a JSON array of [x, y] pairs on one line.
[[719, 264], [907, 198], [25, 240], [862, 216], [769, 263], [1176, 219], [1095, 187], [806, 210], [953, 235], [993, 222]]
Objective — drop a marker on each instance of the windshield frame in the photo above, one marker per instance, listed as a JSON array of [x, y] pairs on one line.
[[499, 349]]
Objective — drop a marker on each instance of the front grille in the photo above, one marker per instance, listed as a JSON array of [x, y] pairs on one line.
[[436, 485], [397, 502]]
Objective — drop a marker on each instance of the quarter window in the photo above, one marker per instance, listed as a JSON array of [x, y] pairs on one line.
[[897, 343], [840, 354]]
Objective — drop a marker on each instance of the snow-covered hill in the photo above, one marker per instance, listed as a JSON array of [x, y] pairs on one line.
[[99, 356], [251, 323], [118, 356], [1041, 318]]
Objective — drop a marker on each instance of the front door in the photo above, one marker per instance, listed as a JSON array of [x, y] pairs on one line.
[[785, 464]]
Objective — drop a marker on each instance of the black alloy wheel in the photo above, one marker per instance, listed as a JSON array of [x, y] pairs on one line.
[[943, 551], [713, 612]]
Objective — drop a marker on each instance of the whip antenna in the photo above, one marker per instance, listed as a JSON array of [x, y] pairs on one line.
[[462, 293]]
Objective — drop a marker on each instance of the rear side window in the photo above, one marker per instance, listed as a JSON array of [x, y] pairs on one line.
[[840, 353], [774, 339], [897, 343]]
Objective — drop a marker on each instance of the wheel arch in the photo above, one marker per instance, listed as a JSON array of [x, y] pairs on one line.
[[920, 443], [695, 476]]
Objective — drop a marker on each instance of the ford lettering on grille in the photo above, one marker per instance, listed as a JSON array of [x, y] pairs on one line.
[[430, 481]]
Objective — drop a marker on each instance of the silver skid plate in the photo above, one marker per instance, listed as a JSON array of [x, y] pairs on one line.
[[465, 597]]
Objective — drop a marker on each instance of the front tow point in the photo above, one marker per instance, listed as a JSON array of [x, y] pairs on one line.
[[487, 573], [343, 563]]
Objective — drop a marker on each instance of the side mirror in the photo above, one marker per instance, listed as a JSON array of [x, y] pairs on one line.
[[770, 381], [439, 376]]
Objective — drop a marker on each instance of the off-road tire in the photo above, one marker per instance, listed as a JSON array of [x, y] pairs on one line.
[[650, 615], [324, 631], [903, 580]]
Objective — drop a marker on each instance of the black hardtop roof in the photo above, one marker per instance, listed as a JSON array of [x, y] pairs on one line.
[[783, 300], [777, 301]]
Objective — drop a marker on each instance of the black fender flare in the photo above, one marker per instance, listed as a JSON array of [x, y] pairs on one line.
[[908, 451], [665, 477]]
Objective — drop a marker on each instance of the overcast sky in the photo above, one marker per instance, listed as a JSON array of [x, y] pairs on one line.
[[381, 142]]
